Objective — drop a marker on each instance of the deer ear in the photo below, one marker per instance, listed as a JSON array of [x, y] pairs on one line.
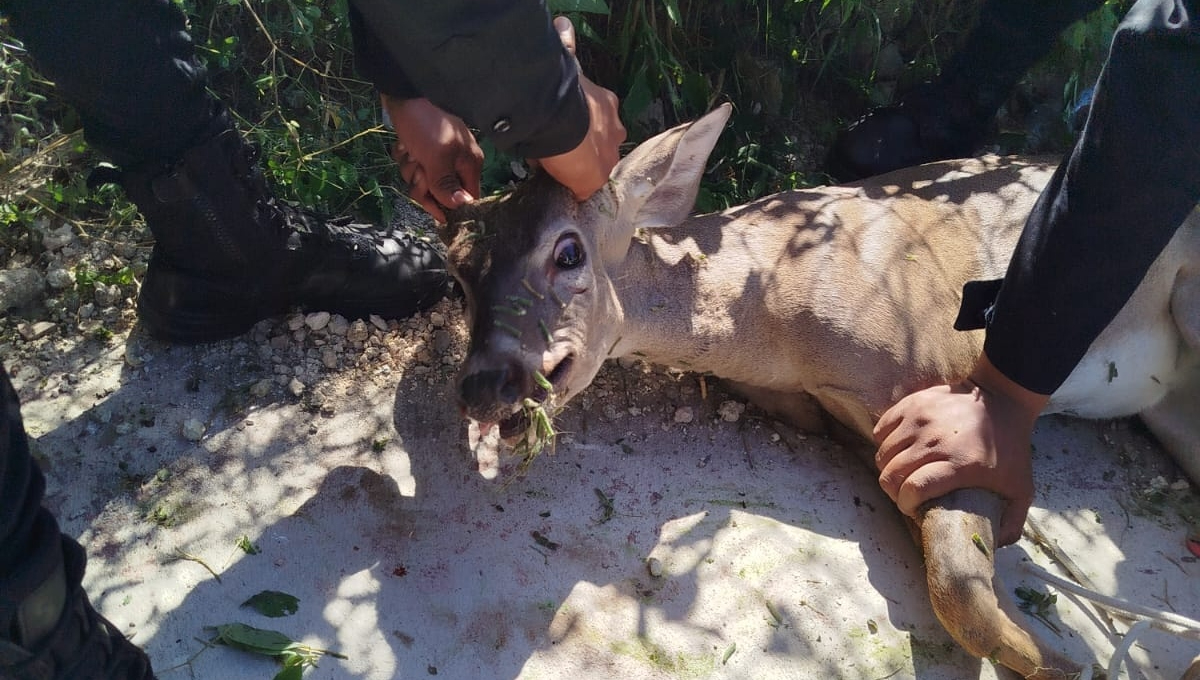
[[656, 184]]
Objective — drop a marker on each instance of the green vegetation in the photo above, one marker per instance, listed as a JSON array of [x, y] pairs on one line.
[[796, 70]]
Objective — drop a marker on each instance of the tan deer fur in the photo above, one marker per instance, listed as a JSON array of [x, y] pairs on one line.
[[836, 300]]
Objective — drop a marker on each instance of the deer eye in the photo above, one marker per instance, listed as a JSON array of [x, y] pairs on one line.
[[568, 252]]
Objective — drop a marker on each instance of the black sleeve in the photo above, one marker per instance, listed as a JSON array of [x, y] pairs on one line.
[[372, 61], [499, 65], [1112, 206]]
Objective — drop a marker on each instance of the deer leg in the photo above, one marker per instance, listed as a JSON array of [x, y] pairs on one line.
[[1175, 423], [798, 409], [1193, 671], [957, 540]]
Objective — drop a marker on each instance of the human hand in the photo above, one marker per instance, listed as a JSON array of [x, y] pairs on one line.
[[438, 156], [585, 168], [976, 433]]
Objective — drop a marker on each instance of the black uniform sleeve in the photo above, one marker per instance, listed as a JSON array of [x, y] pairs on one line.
[[1111, 207], [499, 65], [372, 61]]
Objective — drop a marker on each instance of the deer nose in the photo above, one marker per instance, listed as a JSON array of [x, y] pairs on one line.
[[485, 390]]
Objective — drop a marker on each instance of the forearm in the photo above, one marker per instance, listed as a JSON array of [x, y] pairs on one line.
[[500, 66]]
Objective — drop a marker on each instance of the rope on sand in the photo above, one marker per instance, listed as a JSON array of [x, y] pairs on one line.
[[1144, 617]]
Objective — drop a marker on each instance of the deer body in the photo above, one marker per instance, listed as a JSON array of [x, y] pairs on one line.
[[837, 300], [764, 294]]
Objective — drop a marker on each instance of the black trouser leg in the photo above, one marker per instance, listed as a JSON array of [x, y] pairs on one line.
[[48, 628], [949, 117], [1114, 203], [29, 534], [1009, 38], [105, 57]]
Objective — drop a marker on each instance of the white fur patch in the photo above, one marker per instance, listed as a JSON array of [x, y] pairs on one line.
[[1120, 379]]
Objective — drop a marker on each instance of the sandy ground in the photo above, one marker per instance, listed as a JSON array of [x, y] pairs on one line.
[[773, 555]]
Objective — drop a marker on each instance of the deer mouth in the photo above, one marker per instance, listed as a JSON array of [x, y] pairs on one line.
[[557, 378], [516, 424]]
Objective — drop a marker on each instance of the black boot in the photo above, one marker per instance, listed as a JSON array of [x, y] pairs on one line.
[[58, 635], [228, 254], [950, 117]]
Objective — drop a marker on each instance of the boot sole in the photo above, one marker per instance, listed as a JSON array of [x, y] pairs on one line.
[[184, 309]]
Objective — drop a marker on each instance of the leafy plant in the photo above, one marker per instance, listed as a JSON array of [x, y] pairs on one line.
[[273, 603], [1037, 604], [1083, 47], [294, 656], [247, 546]]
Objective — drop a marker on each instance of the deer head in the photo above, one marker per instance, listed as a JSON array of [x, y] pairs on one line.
[[535, 269]]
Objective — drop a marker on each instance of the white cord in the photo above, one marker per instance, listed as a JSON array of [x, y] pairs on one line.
[[1117, 662], [1163, 620], [1148, 617]]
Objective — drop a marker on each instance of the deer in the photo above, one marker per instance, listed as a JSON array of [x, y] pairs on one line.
[[823, 306]]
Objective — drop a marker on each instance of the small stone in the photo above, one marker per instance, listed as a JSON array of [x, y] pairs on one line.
[[59, 278], [317, 320], [437, 319], [378, 322], [281, 342], [329, 359], [262, 388], [193, 430], [358, 331], [338, 325], [35, 330], [684, 414], [441, 341], [134, 357], [730, 411], [296, 387], [106, 295], [125, 250], [654, 566], [19, 287], [295, 322], [86, 310], [58, 239]]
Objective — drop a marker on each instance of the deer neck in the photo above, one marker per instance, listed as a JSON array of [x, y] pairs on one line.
[[681, 303]]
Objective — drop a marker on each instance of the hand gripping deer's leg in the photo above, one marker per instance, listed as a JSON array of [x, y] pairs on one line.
[[958, 542]]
